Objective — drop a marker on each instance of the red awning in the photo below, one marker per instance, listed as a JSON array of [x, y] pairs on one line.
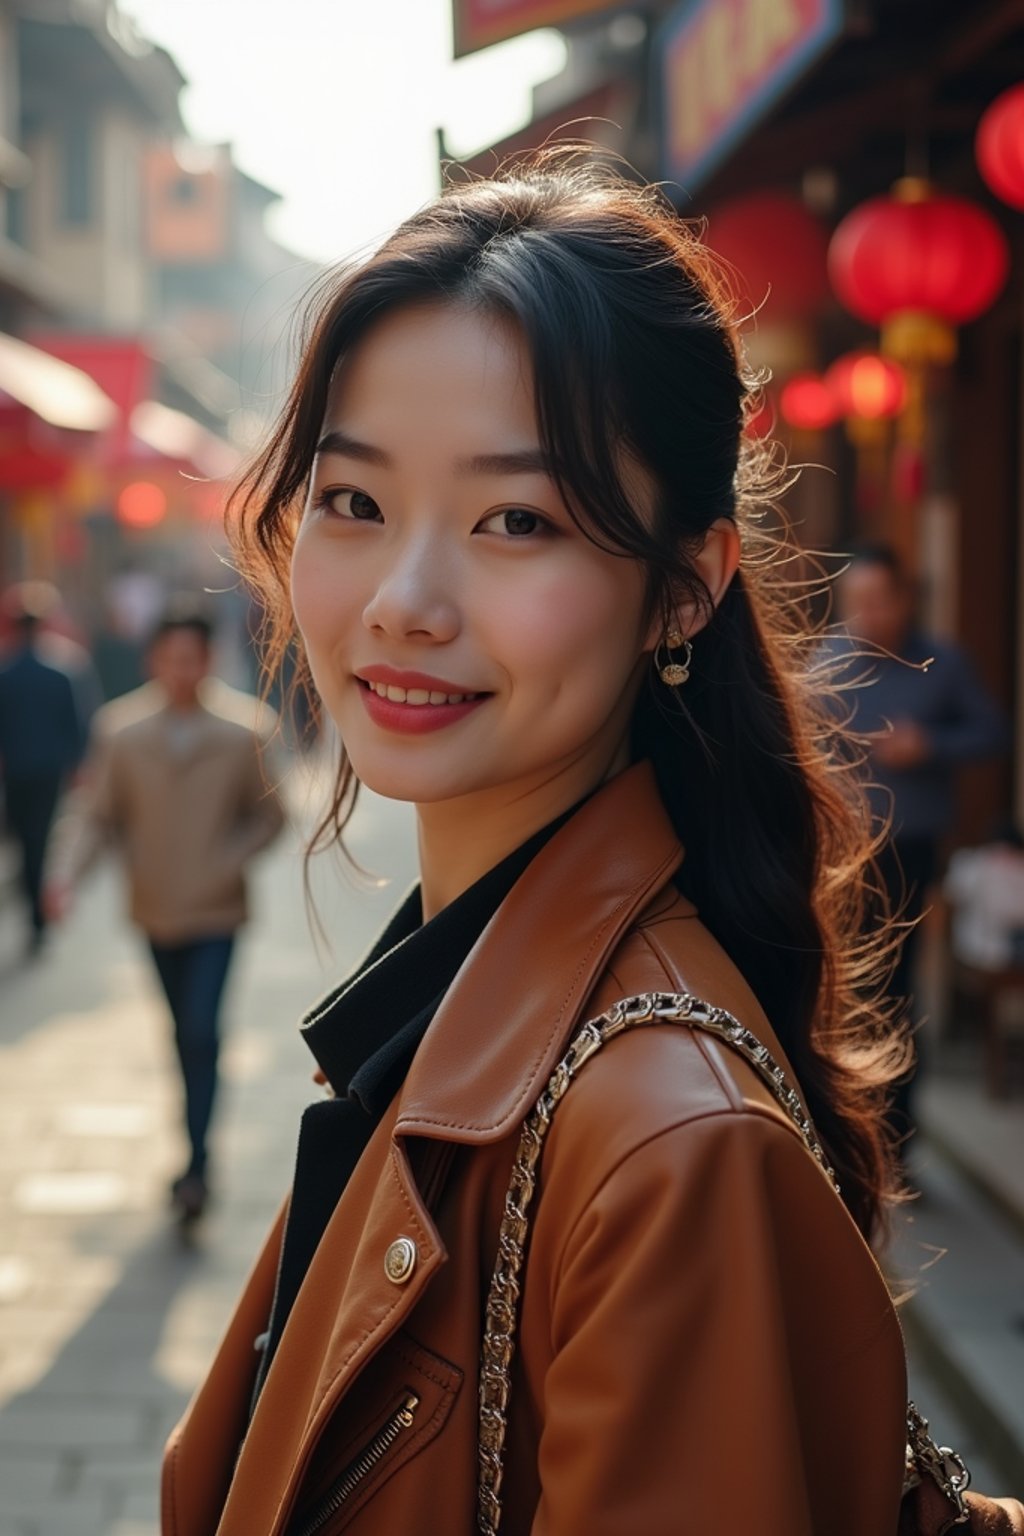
[[56, 391]]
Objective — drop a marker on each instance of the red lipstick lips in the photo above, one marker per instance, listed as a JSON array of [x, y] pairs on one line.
[[413, 703]]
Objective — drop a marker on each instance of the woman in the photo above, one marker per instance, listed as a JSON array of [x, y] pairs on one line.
[[512, 493]]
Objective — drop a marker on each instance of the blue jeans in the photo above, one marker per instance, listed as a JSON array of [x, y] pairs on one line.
[[193, 977]]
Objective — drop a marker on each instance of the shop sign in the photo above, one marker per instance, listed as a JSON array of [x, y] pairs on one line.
[[721, 64], [478, 23]]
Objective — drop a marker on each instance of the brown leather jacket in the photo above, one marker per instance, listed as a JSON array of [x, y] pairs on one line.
[[706, 1342]]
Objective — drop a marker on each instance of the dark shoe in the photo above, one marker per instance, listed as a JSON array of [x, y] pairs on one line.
[[189, 1196]]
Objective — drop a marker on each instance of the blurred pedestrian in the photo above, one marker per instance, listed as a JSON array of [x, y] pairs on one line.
[[923, 713], [176, 780], [42, 739]]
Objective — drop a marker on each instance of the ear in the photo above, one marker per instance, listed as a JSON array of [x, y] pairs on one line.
[[716, 563]]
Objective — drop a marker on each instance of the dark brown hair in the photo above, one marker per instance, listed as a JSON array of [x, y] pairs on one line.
[[629, 324]]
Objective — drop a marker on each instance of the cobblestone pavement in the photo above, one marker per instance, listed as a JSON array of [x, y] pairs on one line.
[[106, 1318]]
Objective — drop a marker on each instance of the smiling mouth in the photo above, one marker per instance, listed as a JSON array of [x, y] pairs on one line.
[[417, 697]]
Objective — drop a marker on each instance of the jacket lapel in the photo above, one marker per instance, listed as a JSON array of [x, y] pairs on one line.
[[497, 1036]]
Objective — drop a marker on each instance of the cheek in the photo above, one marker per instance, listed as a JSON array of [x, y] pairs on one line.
[[576, 625], [320, 595]]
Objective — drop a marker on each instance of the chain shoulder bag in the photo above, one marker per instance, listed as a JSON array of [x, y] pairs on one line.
[[938, 1467]]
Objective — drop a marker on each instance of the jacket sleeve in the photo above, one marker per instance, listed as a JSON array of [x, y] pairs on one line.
[[91, 818], [260, 812], [705, 1373]]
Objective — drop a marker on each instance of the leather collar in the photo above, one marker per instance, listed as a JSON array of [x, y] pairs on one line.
[[496, 1037]]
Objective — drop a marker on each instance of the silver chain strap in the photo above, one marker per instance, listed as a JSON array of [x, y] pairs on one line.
[[502, 1312]]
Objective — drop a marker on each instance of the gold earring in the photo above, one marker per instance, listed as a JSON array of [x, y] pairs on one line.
[[674, 673]]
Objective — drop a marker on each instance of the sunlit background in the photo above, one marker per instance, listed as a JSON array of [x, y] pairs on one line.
[[337, 103]]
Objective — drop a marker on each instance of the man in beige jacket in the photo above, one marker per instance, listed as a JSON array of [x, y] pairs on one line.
[[176, 780]]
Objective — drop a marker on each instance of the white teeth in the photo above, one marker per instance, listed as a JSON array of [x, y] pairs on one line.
[[417, 696]]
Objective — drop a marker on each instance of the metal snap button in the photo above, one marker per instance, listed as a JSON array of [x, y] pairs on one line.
[[400, 1260]]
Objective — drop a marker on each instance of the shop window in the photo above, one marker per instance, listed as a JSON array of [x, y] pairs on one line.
[[184, 191]]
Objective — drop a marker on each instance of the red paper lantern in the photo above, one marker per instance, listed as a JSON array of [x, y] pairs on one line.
[[999, 146], [142, 504], [867, 386], [778, 249], [918, 263], [807, 403]]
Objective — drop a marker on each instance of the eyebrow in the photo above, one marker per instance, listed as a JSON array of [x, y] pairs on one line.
[[520, 461]]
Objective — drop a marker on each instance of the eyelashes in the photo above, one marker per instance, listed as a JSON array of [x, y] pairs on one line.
[[362, 508], [513, 524]]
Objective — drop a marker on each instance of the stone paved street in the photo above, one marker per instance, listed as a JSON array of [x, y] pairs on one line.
[[106, 1319]]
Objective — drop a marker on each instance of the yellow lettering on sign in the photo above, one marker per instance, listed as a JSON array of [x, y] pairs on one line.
[[719, 59], [766, 29], [688, 134], [732, 45]]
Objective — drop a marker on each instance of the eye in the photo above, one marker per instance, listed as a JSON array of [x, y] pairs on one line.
[[516, 523], [349, 506]]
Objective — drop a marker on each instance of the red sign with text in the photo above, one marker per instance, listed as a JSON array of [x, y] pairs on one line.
[[478, 23], [723, 63]]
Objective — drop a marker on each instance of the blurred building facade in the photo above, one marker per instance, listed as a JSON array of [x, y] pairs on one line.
[[138, 286], [775, 120]]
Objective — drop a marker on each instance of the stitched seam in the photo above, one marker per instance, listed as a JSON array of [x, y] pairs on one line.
[[413, 1218], [444, 1382], [627, 900], [369, 1333]]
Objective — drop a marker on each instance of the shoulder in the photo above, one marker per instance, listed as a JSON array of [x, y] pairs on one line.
[[240, 714], [124, 715], [671, 1081], [940, 658]]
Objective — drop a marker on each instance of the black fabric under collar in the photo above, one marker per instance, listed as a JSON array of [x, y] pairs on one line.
[[365, 1032]]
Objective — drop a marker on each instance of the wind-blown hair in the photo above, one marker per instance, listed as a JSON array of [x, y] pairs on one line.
[[636, 357]]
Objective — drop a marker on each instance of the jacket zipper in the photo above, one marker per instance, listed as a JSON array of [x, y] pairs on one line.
[[360, 1467]]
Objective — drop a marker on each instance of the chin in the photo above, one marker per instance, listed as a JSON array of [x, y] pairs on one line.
[[403, 772]]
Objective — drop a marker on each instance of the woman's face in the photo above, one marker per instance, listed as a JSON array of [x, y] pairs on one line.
[[461, 630]]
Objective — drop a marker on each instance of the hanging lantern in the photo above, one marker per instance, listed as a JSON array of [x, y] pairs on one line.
[[142, 504], [867, 386], [807, 403], [999, 146], [918, 264], [779, 252], [778, 255]]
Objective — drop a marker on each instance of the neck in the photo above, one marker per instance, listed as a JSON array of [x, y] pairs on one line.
[[460, 840]]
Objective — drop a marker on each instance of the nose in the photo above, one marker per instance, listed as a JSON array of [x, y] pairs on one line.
[[415, 597]]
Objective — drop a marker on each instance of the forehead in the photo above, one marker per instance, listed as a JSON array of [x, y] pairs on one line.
[[436, 368]]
